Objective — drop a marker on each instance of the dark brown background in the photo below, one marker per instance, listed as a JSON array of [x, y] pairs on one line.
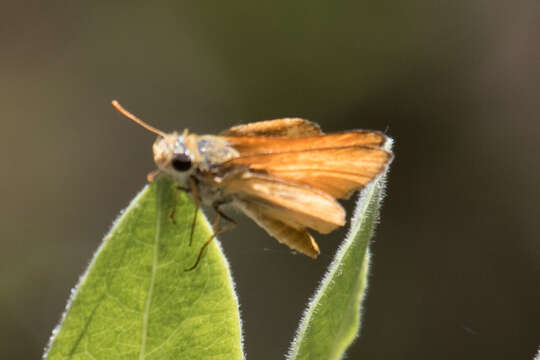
[[456, 259]]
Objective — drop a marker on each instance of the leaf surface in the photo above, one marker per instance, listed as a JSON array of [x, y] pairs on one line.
[[135, 300]]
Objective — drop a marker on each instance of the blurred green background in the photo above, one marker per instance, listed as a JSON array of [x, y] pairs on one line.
[[456, 271]]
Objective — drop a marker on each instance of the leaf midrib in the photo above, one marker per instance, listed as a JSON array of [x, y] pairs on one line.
[[148, 302]]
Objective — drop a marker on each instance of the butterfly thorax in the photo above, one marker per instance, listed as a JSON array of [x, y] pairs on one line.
[[212, 152]]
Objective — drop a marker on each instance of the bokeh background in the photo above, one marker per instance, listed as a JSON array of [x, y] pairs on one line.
[[456, 271]]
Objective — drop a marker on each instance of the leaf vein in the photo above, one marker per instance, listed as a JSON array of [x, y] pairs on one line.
[[144, 332]]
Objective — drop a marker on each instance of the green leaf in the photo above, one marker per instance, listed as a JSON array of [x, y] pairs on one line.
[[135, 300], [332, 320]]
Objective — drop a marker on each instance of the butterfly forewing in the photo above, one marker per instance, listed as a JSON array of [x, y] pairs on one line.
[[337, 171], [251, 145]]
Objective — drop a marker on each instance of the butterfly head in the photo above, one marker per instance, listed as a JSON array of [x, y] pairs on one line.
[[172, 155]]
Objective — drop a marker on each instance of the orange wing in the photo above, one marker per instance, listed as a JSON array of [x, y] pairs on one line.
[[250, 145], [286, 127], [288, 184], [296, 205], [297, 239], [338, 170]]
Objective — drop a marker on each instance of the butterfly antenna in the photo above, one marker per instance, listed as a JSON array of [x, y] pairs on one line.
[[132, 117]]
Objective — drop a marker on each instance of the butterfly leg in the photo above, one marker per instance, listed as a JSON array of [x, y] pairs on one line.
[[172, 214], [152, 175], [195, 192], [216, 231], [218, 211]]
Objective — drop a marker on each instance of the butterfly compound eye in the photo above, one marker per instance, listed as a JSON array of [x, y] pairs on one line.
[[181, 162]]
